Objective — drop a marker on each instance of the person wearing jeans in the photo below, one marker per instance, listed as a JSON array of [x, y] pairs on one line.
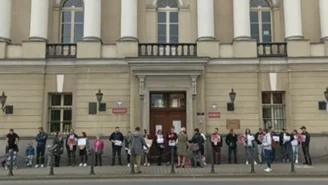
[[267, 148], [249, 146], [295, 145], [160, 146], [284, 139], [116, 138], [41, 140], [216, 146], [258, 138], [306, 146], [71, 145], [127, 148], [99, 150], [231, 141], [172, 140], [197, 141]]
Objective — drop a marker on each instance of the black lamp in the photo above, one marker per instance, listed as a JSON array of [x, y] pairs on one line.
[[102, 106], [326, 94], [3, 99], [99, 96], [231, 105]]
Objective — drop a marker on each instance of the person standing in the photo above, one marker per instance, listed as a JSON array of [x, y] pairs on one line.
[[116, 138], [99, 150], [160, 146], [127, 148], [216, 146], [12, 140], [84, 150], [306, 138], [30, 153], [41, 140], [258, 138], [58, 148], [71, 141], [249, 146], [182, 148], [267, 148], [202, 148], [138, 143], [146, 153], [197, 140], [274, 144], [172, 141], [231, 141], [295, 144], [284, 141]]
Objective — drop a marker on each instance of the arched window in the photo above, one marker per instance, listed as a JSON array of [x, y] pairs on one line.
[[72, 18], [261, 20], [168, 21]]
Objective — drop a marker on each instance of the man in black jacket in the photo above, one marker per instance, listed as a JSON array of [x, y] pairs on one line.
[[41, 140], [258, 139], [116, 138], [284, 145], [306, 146], [197, 140], [231, 141]]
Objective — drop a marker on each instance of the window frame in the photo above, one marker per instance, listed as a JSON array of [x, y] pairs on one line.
[[259, 11], [272, 106], [168, 23], [72, 11], [62, 107]]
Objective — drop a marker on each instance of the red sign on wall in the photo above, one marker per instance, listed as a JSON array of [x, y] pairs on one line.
[[119, 110], [214, 115]]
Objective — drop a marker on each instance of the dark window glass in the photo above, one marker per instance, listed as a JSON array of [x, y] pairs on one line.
[[79, 16], [277, 97], [177, 100], [66, 33], [78, 32], [66, 17], [68, 100], [54, 127], [254, 17], [266, 17], [158, 101], [174, 17], [162, 33], [55, 100], [161, 17], [167, 3], [67, 115], [266, 98], [259, 3], [55, 116]]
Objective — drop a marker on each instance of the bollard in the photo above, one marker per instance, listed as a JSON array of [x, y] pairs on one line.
[[92, 170], [292, 161], [253, 160], [11, 164], [51, 173], [132, 163], [213, 158], [172, 161]]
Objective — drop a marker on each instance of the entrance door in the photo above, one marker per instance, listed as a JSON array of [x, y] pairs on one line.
[[167, 110]]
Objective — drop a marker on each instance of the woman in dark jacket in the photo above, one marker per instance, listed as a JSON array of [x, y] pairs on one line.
[[197, 141], [160, 146], [58, 147], [71, 145]]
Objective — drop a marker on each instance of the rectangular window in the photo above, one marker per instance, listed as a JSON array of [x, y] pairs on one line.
[[273, 109], [60, 112], [168, 27]]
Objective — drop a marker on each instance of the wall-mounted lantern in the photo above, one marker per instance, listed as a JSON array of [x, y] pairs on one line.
[[7, 109], [231, 105], [323, 104]]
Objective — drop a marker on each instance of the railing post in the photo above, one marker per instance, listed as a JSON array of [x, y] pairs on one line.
[[292, 160], [92, 168], [172, 160], [11, 163], [253, 160], [51, 173], [213, 158]]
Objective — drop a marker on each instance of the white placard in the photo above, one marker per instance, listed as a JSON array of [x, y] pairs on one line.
[[276, 138], [160, 140], [303, 138], [177, 126], [286, 138], [250, 138], [82, 142], [118, 143], [172, 143]]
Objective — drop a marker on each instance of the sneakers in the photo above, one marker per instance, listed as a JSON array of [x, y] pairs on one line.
[[135, 165], [296, 162], [246, 162], [129, 165], [42, 166], [147, 164], [268, 170], [255, 163], [85, 164], [36, 166], [81, 164]]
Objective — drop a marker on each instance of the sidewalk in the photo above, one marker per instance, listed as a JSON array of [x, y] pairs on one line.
[[225, 170]]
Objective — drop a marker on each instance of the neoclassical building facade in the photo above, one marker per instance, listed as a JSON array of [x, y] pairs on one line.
[[93, 65]]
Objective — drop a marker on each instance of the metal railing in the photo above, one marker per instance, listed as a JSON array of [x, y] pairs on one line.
[[278, 49], [61, 50], [165, 50]]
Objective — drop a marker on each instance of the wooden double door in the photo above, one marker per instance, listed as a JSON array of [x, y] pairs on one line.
[[167, 110]]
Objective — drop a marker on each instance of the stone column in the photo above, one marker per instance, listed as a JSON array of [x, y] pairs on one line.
[[323, 4], [129, 20], [205, 11], [92, 20], [241, 20], [5, 19], [293, 20], [39, 20]]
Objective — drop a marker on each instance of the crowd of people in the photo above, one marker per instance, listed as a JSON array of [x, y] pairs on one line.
[[137, 147]]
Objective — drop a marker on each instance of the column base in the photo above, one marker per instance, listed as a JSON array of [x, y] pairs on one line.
[[242, 38], [38, 39], [206, 39], [296, 37], [2, 39], [96, 39], [128, 39]]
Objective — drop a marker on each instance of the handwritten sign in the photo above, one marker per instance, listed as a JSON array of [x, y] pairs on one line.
[[214, 115]]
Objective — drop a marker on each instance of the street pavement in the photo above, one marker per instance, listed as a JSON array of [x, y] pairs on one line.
[[115, 172], [262, 181]]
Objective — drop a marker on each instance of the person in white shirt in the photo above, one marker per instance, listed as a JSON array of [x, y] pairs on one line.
[[249, 146], [160, 146], [267, 147], [295, 145]]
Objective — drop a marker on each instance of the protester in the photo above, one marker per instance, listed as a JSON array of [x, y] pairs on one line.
[[160, 146], [99, 150], [30, 153], [258, 138], [295, 144], [267, 148], [182, 148], [58, 145], [137, 147], [127, 147], [306, 138], [12, 140], [84, 150], [71, 146], [284, 141], [216, 142], [146, 153], [116, 138], [197, 141], [172, 141], [41, 140], [249, 146], [274, 144], [202, 148], [231, 141]]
